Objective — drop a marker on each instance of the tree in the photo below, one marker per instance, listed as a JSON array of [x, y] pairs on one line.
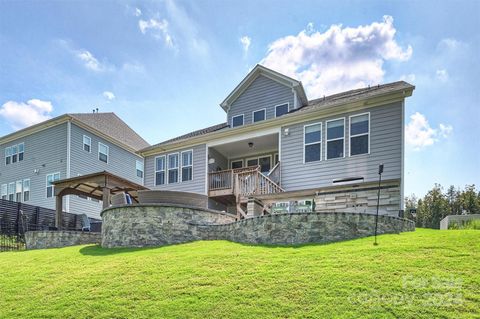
[[433, 208], [469, 200], [453, 197]]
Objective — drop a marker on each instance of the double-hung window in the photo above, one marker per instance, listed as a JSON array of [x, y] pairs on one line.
[[21, 150], [26, 190], [14, 153], [259, 115], [360, 134], [18, 191], [103, 152], [50, 179], [139, 168], [281, 109], [336, 138], [11, 192], [8, 155], [237, 120], [173, 168], [87, 144], [160, 170], [4, 191], [187, 166], [312, 142]]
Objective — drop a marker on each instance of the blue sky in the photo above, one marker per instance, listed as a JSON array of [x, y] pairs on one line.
[[164, 66]]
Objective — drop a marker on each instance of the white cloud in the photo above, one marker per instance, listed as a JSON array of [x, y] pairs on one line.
[[442, 75], [90, 61], [419, 133], [408, 78], [159, 29], [245, 41], [109, 95], [338, 59], [20, 115], [138, 12]]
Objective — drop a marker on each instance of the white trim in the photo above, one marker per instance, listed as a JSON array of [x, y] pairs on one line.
[[177, 168], [295, 103], [275, 109], [206, 170], [69, 159], [164, 170], [17, 192], [402, 171], [355, 135], [232, 161], [246, 136], [181, 165], [243, 120], [142, 170], [259, 110], [319, 142], [251, 158], [334, 139], [83, 142], [108, 152]]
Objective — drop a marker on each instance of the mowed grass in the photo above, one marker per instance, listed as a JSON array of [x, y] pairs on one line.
[[422, 274]]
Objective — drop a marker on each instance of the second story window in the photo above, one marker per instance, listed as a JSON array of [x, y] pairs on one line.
[[26, 190], [50, 179], [335, 138], [187, 166], [139, 167], [312, 142], [8, 155], [14, 153], [173, 168], [281, 109], [87, 144], [21, 149], [237, 120], [4, 191], [160, 170], [359, 134], [259, 115], [103, 152]]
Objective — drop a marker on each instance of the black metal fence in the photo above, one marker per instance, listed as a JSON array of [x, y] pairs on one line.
[[18, 218]]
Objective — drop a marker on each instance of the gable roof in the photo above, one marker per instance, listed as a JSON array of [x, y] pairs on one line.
[[108, 125], [271, 74], [335, 100]]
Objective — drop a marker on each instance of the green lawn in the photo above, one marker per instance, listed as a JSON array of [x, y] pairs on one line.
[[423, 274]]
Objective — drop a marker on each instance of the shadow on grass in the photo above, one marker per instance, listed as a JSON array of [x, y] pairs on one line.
[[98, 251]]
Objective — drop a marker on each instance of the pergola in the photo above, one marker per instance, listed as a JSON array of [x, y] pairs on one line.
[[101, 186]]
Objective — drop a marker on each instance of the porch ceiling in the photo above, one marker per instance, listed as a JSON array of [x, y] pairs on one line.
[[241, 148]]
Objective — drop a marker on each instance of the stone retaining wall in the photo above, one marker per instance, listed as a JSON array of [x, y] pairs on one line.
[[142, 225], [55, 239]]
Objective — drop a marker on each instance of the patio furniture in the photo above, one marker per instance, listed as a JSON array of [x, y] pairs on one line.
[[85, 222]]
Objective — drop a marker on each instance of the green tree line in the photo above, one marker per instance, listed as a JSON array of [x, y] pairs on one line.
[[437, 204]]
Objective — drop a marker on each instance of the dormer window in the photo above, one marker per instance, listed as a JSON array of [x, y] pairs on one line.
[[237, 120], [259, 115], [281, 109]]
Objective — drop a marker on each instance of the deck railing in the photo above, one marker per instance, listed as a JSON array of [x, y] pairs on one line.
[[220, 180]]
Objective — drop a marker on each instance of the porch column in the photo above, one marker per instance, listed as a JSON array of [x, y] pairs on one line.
[[59, 211], [106, 197]]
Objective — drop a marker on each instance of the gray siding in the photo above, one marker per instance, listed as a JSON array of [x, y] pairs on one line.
[[221, 162], [120, 162], [196, 185], [385, 147], [262, 93], [45, 151]]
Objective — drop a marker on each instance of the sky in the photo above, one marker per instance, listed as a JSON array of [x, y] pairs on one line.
[[165, 66]]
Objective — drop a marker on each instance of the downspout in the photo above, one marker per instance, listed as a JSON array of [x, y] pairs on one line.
[[69, 141], [402, 172]]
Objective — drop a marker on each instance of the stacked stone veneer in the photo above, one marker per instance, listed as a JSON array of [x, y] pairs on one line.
[[139, 226], [55, 239]]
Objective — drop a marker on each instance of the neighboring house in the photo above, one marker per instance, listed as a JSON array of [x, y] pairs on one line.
[[67, 146], [284, 150]]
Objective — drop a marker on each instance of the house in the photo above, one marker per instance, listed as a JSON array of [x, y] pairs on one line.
[[68, 146], [278, 150]]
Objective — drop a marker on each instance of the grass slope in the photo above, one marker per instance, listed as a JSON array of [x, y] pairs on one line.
[[424, 274]]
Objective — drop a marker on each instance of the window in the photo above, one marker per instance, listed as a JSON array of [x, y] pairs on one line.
[[50, 179], [173, 168], [265, 164], [160, 170], [103, 152], [14, 153], [281, 109], [8, 155], [237, 120], [236, 164], [21, 149], [336, 138], [276, 159], [11, 192], [259, 115], [4, 191], [312, 140], [252, 162], [360, 134], [139, 168], [187, 166], [18, 193], [87, 144], [26, 190]]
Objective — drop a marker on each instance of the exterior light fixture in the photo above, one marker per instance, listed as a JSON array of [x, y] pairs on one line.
[[250, 144]]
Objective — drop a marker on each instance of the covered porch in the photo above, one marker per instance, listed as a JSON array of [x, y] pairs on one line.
[[100, 186]]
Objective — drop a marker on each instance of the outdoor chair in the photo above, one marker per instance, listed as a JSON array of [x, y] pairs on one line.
[[85, 222]]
